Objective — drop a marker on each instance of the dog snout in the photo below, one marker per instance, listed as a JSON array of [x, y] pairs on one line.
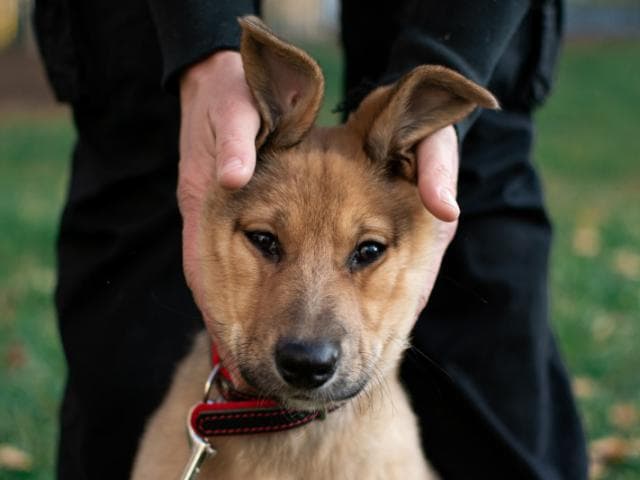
[[307, 364]]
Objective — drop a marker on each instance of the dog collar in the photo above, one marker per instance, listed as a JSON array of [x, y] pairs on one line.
[[237, 413], [234, 413]]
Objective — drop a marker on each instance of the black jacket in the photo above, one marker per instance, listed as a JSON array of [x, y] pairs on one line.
[[509, 46]]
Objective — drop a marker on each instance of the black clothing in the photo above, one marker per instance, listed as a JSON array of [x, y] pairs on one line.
[[193, 29], [503, 408], [510, 47], [507, 403]]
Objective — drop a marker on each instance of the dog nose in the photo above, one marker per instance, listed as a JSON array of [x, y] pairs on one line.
[[307, 364]]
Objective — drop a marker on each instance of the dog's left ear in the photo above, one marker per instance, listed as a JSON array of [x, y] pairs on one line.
[[286, 83], [393, 119]]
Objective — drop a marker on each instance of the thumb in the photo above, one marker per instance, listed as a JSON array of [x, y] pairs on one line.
[[235, 151], [438, 174]]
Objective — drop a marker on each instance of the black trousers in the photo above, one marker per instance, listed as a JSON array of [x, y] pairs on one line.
[[485, 376]]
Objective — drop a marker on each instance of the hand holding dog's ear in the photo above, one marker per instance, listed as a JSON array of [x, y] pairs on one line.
[[437, 173], [219, 120], [407, 128], [218, 129], [225, 115]]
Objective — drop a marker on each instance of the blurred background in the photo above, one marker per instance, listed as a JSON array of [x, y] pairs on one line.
[[588, 151]]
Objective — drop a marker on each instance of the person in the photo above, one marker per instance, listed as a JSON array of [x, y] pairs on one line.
[[159, 101]]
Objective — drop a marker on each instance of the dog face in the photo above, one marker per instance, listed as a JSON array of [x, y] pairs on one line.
[[315, 270]]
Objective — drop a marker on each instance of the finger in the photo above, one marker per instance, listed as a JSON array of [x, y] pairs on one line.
[[235, 151], [438, 174]]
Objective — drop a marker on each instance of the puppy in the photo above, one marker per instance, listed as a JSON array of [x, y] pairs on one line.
[[314, 274]]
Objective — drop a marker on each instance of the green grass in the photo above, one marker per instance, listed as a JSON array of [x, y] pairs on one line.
[[589, 144], [588, 152], [33, 163]]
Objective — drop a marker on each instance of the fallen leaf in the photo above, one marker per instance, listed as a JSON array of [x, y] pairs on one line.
[[584, 387], [596, 470], [623, 415], [610, 450], [626, 263], [586, 241], [15, 356], [12, 458]]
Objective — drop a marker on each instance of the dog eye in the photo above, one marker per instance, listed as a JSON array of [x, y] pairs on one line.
[[266, 243], [366, 253]]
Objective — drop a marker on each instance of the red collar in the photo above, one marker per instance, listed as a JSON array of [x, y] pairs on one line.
[[237, 413]]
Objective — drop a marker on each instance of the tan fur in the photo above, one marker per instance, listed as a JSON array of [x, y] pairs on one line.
[[322, 192]]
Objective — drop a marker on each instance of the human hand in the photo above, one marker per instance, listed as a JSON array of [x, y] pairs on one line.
[[219, 124], [438, 161], [438, 174]]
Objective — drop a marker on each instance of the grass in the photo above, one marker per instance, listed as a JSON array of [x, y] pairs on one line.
[[588, 153], [34, 159]]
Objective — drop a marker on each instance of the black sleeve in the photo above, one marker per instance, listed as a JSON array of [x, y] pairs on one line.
[[189, 30], [469, 37]]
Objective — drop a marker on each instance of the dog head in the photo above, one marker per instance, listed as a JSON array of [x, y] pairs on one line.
[[315, 270]]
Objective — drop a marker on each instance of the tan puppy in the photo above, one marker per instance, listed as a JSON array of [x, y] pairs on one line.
[[314, 272]]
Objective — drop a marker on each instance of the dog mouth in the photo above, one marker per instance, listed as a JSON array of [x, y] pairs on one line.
[[327, 397]]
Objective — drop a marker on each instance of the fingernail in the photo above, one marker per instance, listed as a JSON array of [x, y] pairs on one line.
[[230, 165], [447, 197]]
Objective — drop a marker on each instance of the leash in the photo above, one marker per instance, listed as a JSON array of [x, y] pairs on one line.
[[234, 413]]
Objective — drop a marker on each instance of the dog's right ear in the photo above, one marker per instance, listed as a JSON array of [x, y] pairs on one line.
[[286, 83], [392, 120]]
